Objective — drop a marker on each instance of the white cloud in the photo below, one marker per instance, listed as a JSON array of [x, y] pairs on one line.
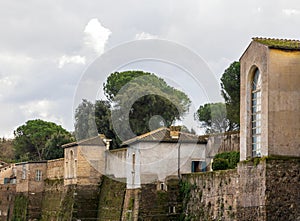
[[65, 59], [37, 109], [96, 35], [290, 12], [145, 35], [41, 109]]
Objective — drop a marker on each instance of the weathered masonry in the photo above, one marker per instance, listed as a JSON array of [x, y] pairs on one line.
[[270, 95], [165, 174], [266, 184]]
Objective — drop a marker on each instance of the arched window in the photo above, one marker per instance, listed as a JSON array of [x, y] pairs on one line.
[[72, 167], [256, 114]]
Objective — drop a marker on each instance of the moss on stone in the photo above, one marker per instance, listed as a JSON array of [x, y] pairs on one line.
[[279, 43]]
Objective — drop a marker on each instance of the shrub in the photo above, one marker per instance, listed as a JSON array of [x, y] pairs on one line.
[[227, 158], [220, 164]]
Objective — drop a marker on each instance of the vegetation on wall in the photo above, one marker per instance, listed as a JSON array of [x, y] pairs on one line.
[[185, 188], [20, 208], [226, 160]]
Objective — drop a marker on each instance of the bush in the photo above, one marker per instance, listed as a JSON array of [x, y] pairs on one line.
[[220, 164], [231, 158]]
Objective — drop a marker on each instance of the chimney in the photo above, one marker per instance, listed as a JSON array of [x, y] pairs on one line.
[[174, 132], [105, 140]]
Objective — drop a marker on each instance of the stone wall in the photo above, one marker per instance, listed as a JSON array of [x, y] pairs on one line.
[[6, 172], [251, 201], [210, 195], [261, 189], [55, 169], [283, 190], [7, 198], [111, 199], [160, 201]]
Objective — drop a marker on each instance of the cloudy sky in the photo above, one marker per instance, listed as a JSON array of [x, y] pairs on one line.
[[46, 46]]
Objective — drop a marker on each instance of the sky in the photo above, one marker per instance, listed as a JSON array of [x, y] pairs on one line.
[[46, 47]]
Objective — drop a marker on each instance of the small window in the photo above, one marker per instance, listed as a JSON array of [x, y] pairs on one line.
[[172, 209], [198, 166], [133, 162], [38, 175], [162, 186]]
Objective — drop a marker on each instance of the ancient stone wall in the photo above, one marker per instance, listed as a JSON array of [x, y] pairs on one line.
[[6, 172], [261, 189], [210, 195], [160, 201], [7, 198], [111, 199], [283, 189], [55, 169]]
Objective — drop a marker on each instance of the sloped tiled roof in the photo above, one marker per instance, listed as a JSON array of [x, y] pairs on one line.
[[3, 164], [163, 135], [86, 142], [285, 44]]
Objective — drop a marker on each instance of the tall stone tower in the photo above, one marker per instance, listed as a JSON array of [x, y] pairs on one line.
[[270, 99]]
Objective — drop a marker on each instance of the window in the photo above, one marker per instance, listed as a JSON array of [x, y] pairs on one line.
[[172, 209], [162, 186], [38, 175], [256, 114], [198, 166], [23, 172], [133, 162], [71, 164]]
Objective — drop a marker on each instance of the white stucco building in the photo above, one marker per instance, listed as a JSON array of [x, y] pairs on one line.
[[148, 158]]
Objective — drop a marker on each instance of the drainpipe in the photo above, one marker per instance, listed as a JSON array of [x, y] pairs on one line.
[[179, 175]]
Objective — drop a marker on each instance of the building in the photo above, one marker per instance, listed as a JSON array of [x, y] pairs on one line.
[[270, 95], [157, 155], [265, 185], [84, 161]]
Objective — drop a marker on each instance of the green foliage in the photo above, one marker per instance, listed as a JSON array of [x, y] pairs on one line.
[[213, 117], [220, 164], [139, 97], [117, 80], [20, 208], [7, 152], [230, 83], [85, 120], [40, 140], [103, 122], [226, 160], [92, 119], [185, 189], [138, 102]]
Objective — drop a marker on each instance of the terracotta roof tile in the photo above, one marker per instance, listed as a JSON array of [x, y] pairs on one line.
[[163, 135], [87, 142]]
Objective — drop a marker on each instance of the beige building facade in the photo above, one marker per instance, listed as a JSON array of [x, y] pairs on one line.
[[84, 161], [270, 95]]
